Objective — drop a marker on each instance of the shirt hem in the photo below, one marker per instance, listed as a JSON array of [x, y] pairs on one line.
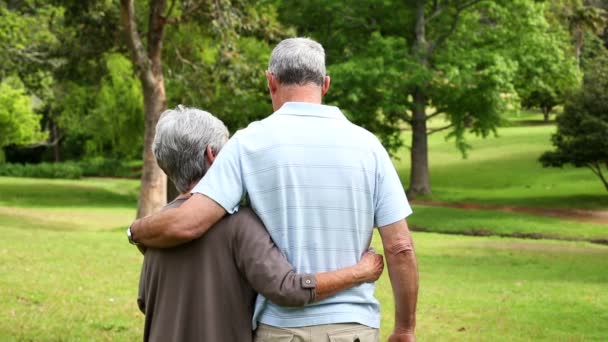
[[372, 322]]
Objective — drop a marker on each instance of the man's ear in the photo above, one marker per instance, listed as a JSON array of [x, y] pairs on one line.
[[272, 82], [209, 155], [325, 87]]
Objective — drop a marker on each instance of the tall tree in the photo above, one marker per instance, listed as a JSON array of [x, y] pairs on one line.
[[426, 66], [217, 39], [583, 16], [149, 69], [548, 70], [27, 43], [424, 49], [582, 130]]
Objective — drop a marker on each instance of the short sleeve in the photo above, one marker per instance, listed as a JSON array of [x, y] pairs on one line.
[[223, 182], [391, 203]]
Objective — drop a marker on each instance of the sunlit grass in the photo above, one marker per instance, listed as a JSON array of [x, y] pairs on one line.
[[82, 285], [505, 170], [67, 273], [495, 289], [488, 222]]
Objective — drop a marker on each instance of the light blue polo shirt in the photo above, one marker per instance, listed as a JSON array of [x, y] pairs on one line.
[[320, 184]]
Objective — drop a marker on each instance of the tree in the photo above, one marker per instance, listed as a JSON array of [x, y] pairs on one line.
[[19, 124], [27, 42], [148, 65], [234, 32], [548, 70], [108, 116], [582, 130], [582, 16], [399, 65]]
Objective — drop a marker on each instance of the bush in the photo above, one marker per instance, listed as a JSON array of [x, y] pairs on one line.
[[68, 170], [100, 167], [97, 167]]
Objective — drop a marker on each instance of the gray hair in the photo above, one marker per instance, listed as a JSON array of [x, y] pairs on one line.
[[298, 61], [182, 137]]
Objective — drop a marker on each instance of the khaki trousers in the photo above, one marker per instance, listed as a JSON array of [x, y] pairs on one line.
[[349, 332]]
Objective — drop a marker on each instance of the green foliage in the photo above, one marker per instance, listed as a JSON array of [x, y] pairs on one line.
[[475, 73], [102, 167], [95, 167], [67, 170], [219, 67], [111, 116], [582, 130], [28, 44], [19, 124], [548, 70], [229, 84]]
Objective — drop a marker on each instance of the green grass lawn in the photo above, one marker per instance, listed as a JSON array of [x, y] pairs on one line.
[[495, 289], [67, 273], [505, 170], [489, 222]]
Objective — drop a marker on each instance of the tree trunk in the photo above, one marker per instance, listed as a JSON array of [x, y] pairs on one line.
[[546, 111], [55, 139], [419, 169], [153, 191], [148, 63], [600, 174], [419, 172], [578, 44]]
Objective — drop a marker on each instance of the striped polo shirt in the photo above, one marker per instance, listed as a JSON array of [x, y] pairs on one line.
[[320, 184]]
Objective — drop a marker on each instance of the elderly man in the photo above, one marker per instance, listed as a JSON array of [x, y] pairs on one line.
[[320, 184], [204, 290]]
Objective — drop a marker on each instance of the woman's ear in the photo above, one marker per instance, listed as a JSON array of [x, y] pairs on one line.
[[209, 155]]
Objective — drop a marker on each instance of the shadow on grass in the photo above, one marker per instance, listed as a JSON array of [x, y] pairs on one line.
[[582, 201], [489, 232], [61, 195]]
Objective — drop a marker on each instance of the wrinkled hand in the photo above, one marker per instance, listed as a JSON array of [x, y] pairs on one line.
[[371, 266], [402, 337]]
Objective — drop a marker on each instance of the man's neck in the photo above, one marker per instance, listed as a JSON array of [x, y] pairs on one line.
[[307, 93]]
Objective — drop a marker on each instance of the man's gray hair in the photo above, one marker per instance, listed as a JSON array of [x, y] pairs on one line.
[[182, 137], [298, 61]]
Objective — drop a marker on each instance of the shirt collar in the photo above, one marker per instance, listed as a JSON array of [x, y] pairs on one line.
[[310, 109]]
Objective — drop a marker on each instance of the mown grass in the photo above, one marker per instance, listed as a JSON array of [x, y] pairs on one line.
[[61, 193], [67, 286], [489, 222], [67, 273], [81, 285], [505, 170], [496, 289]]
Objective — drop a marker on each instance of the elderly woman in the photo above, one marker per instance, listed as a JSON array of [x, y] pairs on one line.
[[204, 290]]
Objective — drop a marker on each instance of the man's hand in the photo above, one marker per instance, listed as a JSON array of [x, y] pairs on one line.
[[175, 226], [370, 266], [402, 337], [368, 269]]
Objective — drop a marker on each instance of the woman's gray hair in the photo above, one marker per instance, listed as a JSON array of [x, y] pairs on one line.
[[182, 137], [298, 61]]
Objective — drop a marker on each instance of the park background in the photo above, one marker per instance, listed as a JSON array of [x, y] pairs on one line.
[[495, 112]]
